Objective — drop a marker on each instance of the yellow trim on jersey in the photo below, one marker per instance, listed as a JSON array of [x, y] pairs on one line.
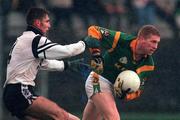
[[115, 42], [95, 78], [144, 68], [133, 47], [94, 32]]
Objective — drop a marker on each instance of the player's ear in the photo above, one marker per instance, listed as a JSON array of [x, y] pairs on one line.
[[140, 37], [37, 23]]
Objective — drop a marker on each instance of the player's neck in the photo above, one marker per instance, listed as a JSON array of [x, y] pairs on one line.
[[138, 57], [139, 54]]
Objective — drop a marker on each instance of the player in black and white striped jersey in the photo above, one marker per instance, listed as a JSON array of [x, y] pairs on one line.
[[33, 51]]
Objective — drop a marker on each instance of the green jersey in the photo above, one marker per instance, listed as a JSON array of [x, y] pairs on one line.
[[119, 54]]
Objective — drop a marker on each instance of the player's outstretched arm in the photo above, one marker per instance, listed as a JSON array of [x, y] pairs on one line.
[[61, 65], [63, 51], [44, 48], [52, 65], [91, 42]]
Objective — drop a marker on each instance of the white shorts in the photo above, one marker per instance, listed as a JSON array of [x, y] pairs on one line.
[[103, 86]]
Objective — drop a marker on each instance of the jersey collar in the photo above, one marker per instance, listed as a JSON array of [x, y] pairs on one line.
[[133, 48], [34, 29]]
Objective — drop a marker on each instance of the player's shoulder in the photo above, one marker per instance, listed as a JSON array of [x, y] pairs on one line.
[[127, 37], [125, 40], [27, 35]]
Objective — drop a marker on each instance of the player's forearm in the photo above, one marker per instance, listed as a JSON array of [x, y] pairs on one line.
[[53, 65], [60, 51]]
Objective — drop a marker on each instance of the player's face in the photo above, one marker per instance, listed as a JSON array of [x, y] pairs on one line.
[[150, 45], [45, 24]]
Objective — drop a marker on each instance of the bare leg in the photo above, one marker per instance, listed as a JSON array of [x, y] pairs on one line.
[[106, 104], [90, 112], [42, 108]]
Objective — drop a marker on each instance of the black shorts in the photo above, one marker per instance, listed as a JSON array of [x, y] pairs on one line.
[[17, 98]]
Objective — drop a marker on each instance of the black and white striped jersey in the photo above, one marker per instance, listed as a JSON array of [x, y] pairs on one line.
[[32, 51]]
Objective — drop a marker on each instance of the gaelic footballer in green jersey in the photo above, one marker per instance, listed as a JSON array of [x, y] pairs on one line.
[[117, 52], [119, 55]]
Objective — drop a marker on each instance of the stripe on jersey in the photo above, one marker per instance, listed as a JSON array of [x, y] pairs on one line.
[[144, 68], [45, 47], [115, 42], [94, 32], [36, 50], [44, 51], [35, 43]]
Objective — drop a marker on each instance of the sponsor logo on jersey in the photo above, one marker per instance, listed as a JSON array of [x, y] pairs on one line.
[[105, 32], [123, 60]]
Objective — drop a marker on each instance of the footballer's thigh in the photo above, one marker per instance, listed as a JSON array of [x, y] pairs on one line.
[[105, 102], [43, 108], [103, 99], [91, 112]]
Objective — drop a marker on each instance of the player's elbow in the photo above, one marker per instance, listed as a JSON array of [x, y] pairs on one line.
[[94, 32]]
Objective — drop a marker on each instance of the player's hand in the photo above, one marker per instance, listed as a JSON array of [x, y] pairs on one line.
[[91, 42], [124, 93], [73, 64], [118, 87], [97, 63], [118, 92]]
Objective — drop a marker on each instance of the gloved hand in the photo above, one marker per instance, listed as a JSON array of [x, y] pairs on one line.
[[91, 42], [73, 64], [118, 87], [124, 93], [97, 62], [118, 92]]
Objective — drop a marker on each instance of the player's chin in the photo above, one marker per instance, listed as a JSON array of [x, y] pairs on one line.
[[45, 31]]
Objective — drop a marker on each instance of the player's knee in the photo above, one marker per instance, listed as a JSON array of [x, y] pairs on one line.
[[60, 114], [112, 116], [63, 115], [72, 117]]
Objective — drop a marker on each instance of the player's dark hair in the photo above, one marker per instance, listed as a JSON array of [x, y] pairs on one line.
[[35, 13], [148, 30]]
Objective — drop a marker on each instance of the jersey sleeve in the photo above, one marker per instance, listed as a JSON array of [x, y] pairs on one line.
[[44, 48], [108, 38], [52, 65]]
